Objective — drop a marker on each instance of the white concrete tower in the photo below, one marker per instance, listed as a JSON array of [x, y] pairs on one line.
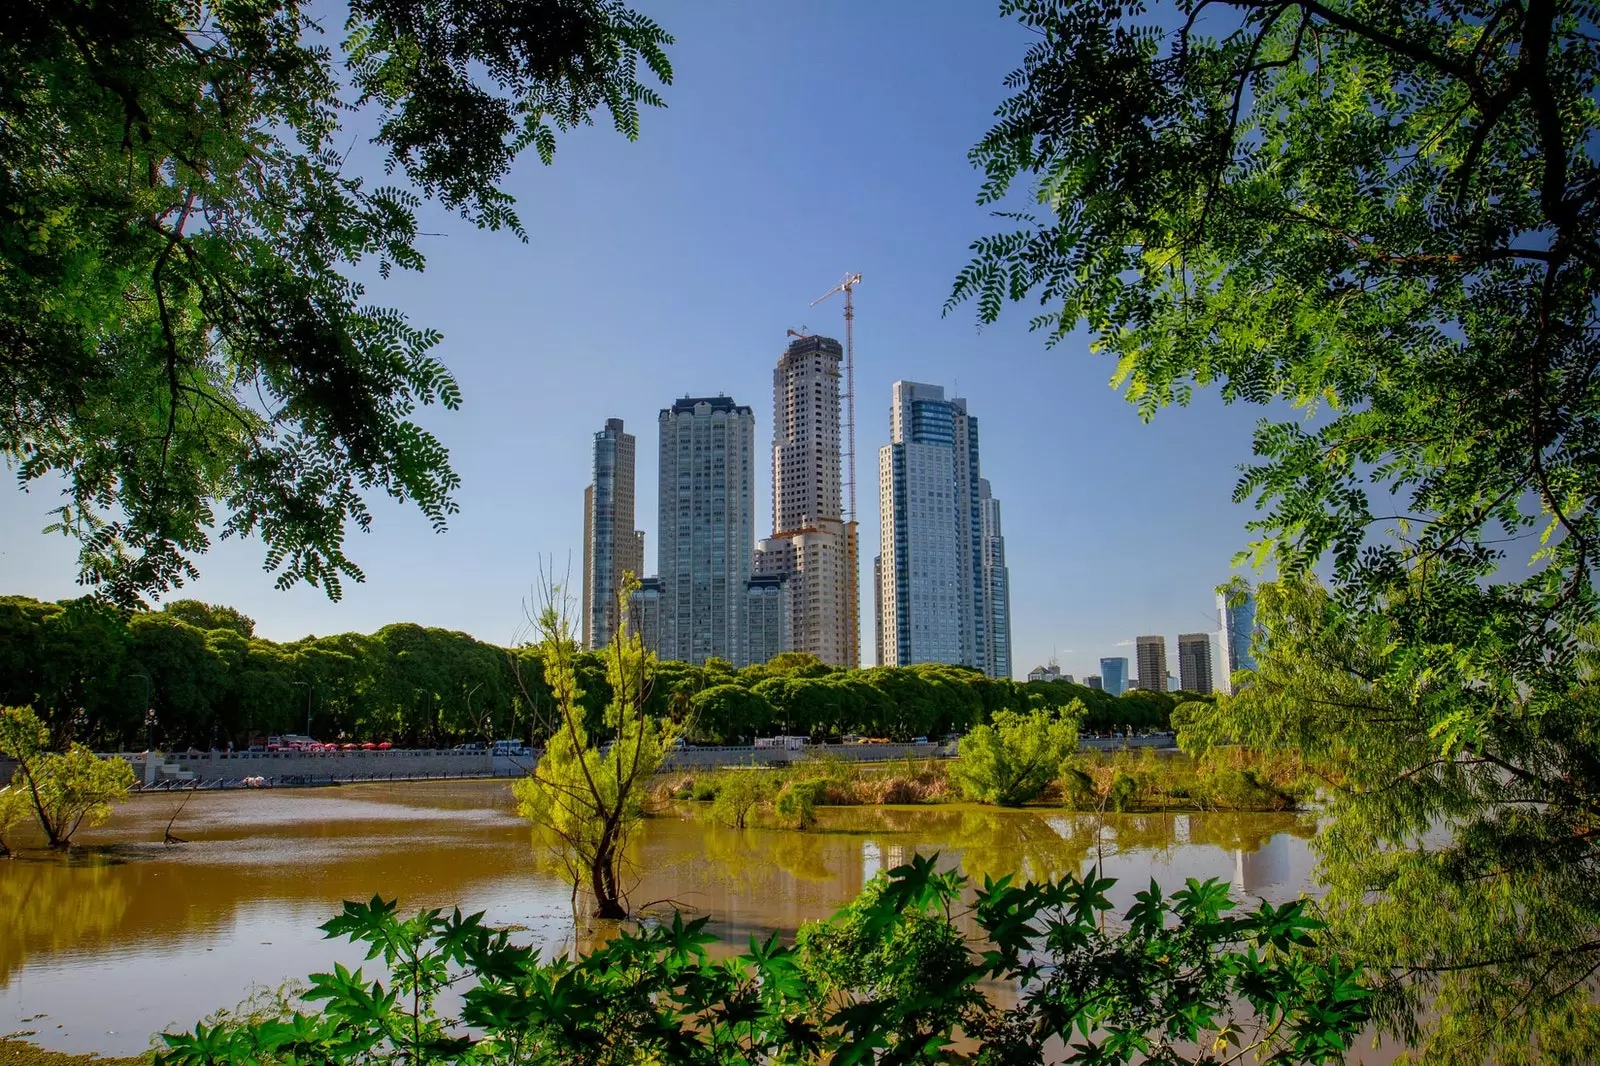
[[808, 546]]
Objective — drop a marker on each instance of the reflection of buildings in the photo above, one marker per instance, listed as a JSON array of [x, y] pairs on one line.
[[1256, 871]]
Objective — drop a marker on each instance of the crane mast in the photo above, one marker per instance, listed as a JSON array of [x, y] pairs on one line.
[[848, 287]]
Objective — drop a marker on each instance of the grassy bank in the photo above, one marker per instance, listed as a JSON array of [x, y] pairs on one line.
[[1145, 780], [22, 1053]]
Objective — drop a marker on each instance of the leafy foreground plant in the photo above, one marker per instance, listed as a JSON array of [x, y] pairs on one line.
[[890, 979]]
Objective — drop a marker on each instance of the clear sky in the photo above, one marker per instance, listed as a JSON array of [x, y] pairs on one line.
[[800, 141]]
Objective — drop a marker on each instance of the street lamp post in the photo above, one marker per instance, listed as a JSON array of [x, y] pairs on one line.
[[149, 719], [486, 735], [307, 686]]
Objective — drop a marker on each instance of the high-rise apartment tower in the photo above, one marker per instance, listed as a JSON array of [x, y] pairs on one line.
[[1194, 663], [995, 584], [707, 527], [931, 561], [1151, 654], [810, 544], [612, 548]]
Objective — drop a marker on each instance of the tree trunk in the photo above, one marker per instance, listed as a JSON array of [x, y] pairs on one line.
[[603, 879]]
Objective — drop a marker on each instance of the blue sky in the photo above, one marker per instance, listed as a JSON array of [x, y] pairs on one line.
[[800, 141]]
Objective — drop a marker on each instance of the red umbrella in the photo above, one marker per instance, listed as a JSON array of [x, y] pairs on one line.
[[369, 746], [385, 746]]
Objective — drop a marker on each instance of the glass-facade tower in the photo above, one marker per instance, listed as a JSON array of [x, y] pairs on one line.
[[1114, 675]]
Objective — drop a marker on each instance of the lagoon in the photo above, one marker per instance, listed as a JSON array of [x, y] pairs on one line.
[[129, 936]]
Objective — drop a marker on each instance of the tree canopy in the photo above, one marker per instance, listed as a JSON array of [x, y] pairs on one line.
[[1387, 218], [183, 338], [91, 670]]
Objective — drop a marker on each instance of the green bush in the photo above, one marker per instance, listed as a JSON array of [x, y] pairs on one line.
[[741, 793], [796, 805], [1014, 759], [1123, 793], [893, 974]]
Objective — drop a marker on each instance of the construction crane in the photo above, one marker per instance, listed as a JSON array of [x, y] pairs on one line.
[[853, 631], [848, 286]]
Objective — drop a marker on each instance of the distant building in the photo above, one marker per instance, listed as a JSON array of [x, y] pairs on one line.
[[811, 546], [996, 585], [1194, 663], [877, 610], [1114, 675], [1238, 623], [766, 631], [1051, 672], [932, 540], [1172, 683], [707, 527], [1093, 681], [1151, 653], [644, 617], [612, 548]]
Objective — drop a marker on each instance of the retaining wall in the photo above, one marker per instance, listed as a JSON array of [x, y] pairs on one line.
[[318, 766], [287, 767]]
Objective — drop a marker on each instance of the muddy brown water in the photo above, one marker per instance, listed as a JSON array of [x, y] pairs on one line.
[[128, 937]]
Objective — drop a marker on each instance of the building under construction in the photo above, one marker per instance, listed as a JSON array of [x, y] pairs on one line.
[[812, 545]]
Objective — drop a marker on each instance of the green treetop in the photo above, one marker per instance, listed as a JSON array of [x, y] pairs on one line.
[[180, 337], [1387, 218]]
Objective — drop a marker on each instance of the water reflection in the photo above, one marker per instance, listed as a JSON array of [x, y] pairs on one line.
[[130, 936]]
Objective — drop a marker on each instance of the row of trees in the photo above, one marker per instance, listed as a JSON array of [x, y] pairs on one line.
[[195, 674]]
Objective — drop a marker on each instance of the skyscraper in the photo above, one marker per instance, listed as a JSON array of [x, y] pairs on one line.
[[707, 527], [1151, 653], [611, 546], [932, 569], [1114, 675], [1238, 622], [996, 585], [1093, 681], [766, 627], [810, 545], [1194, 663], [645, 613]]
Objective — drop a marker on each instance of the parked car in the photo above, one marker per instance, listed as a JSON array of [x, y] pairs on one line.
[[510, 747]]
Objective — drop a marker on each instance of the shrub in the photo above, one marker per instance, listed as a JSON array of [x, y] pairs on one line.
[[796, 805], [741, 792], [1013, 759], [1123, 793], [892, 974]]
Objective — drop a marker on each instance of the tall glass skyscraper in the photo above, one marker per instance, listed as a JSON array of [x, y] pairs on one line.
[[611, 546], [1238, 620], [996, 586], [931, 601], [1114, 675], [707, 527]]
